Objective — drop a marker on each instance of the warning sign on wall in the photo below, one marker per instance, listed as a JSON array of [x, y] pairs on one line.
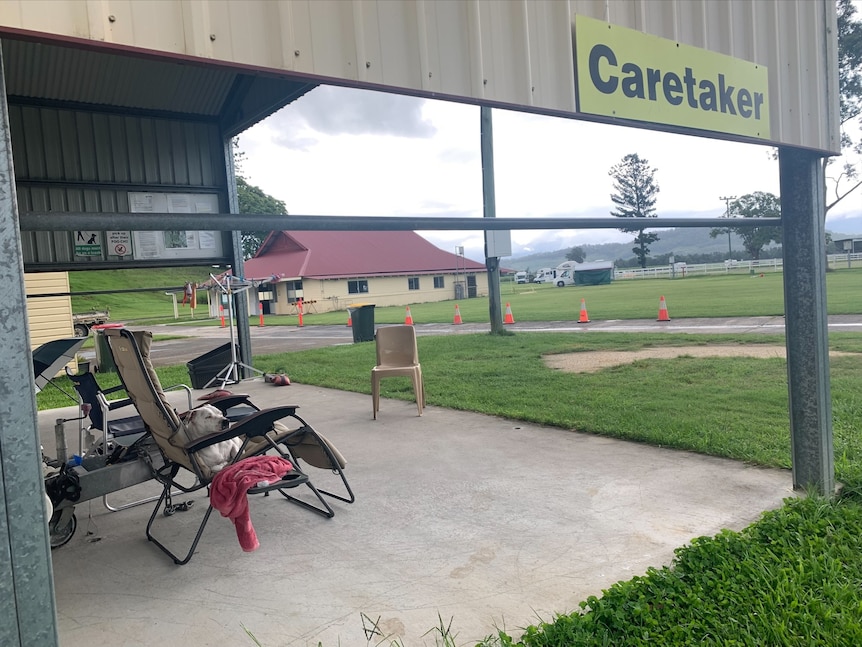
[[119, 243], [88, 243]]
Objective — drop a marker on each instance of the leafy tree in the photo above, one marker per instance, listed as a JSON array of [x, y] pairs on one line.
[[759, 204], [847, 179], [253, 200], [634, 195], [576, 254]]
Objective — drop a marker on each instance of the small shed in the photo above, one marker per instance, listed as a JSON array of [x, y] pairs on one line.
[[849, 245], [596, 273]]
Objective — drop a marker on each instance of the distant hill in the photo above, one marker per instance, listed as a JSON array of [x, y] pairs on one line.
[[678, 241], [682, 240]]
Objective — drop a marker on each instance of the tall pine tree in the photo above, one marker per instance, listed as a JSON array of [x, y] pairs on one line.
[[634, 195]]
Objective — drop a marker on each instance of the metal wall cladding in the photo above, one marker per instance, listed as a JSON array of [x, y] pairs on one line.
[[506, 52], [49, 317], [83, 161]]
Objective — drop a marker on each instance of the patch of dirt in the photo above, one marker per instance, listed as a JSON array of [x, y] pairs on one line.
[[592, 361]]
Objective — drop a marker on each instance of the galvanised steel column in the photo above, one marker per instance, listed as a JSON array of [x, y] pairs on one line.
[[27, 611], [490, 202], [243, 329], [804, 244]]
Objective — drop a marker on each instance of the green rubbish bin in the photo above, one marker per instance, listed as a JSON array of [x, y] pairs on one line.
[[104, 358], [362, 320]]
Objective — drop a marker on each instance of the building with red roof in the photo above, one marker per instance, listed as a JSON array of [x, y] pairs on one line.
[[330, 270]]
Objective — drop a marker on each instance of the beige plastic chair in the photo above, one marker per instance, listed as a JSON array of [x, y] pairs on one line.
[[397, 356]]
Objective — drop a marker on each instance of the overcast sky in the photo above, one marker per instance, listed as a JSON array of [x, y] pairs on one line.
[[341, 151]]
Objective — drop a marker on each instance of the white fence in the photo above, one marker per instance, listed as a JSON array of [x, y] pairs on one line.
[[835, 261]]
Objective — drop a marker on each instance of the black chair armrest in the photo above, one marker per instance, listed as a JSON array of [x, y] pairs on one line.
[[118, 404], [226, 402]]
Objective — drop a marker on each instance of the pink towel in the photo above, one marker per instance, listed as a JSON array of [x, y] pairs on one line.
[[230, 485]]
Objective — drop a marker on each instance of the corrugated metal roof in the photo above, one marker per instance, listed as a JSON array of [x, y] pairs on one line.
[[44, 71], [343, 254], [54, 72]]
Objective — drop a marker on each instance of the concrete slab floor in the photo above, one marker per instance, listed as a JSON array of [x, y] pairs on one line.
[[481, 520]]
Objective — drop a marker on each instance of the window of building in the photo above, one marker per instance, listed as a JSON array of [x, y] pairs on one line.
[[293, 289], [359, 286], [413, 283], [438, 282]]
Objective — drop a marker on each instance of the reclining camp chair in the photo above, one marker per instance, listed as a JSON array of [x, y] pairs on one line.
[[260, 432]]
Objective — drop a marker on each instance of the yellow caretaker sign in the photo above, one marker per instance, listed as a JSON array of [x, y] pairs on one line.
[[627, 74]]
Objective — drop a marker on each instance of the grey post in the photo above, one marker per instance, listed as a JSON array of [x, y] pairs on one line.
[[27, 610], [489, 200], [243, 330], [804, 244]]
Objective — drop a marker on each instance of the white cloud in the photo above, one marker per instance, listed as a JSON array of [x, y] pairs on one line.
[[341, 151]]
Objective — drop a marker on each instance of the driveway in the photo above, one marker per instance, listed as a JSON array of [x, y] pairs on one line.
[[267, 340]]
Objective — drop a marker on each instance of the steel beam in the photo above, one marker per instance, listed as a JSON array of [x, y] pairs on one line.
[[489, 201], [243, 328], [27, 611], [807, 336], [74, 221]]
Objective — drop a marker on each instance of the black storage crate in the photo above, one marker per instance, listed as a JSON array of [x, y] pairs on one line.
[[204, 368]]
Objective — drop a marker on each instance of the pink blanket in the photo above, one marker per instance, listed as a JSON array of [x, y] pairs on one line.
[[230, 485]]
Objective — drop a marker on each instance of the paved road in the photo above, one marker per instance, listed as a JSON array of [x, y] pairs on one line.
[[197, 340]]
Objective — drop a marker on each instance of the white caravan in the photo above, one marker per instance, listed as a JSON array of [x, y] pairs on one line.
[[545, 275]]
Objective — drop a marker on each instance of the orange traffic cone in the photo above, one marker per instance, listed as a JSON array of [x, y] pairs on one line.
[[457, 316], [408, 319], [662, 311], [509, 319], [584, 318], [349, 320]]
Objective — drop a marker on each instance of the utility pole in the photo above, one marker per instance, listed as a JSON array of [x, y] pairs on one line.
[[490, 211], [727, 200]]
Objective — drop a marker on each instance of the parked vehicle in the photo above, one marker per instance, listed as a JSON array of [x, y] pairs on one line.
[[564, 278], [545, 275], [83, 321], [520, 277]]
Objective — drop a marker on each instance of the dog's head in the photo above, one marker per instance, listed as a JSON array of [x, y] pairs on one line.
[[205, 420]]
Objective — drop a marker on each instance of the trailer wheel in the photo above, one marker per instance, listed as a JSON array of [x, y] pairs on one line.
[[61, 536], [81, 330]]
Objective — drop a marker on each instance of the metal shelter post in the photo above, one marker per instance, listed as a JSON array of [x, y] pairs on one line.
[[807, 336], [27, 608], [492, 263], [243, 329]]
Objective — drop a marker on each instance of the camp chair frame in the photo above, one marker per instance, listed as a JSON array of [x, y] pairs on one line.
[[90, 393], [260, 432]]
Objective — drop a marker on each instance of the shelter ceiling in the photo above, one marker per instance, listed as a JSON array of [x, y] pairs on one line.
[[45, 72]]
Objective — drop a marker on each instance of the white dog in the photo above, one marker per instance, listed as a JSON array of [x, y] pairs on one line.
[[204, 421]]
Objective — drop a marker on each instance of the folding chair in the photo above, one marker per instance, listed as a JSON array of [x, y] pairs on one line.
[[397, 356], [117, 434], [259, 432]]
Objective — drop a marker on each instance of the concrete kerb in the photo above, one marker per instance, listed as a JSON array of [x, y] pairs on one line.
[[476, 518]]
